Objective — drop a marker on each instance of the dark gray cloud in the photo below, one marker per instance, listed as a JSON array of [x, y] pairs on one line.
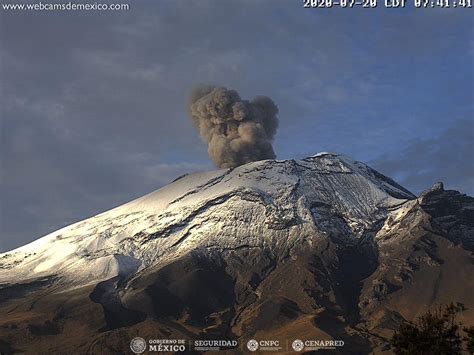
[[92, 103], [445, 157], [236, 131]]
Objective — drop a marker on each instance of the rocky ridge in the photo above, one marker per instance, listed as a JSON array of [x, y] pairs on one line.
[[322, 248]]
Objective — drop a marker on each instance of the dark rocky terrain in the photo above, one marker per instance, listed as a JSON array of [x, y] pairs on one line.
[[347, 276]]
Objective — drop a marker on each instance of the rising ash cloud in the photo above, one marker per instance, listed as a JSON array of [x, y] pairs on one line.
[[236, 131]]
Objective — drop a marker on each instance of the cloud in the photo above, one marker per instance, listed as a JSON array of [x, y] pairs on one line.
[[236, 131], [445, 157], [92, 103]]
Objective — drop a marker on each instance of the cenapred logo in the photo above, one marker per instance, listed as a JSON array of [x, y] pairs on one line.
[[316, 344], [252, 345], [138, 345], [297, 345]]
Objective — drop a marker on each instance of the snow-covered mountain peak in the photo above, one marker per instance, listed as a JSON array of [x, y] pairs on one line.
[[276, 202]]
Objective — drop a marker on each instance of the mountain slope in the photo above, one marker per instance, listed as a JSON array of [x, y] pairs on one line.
[[323, 247], [274, 195]]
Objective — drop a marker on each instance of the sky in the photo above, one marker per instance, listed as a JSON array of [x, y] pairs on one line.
[[93, 104]]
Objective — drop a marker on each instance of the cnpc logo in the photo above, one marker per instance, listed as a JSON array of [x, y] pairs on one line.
[[254, 345]]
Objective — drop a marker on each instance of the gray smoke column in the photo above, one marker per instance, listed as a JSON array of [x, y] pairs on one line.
[[236, 131]]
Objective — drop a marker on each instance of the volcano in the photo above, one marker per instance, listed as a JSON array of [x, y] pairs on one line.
[[319, 248]]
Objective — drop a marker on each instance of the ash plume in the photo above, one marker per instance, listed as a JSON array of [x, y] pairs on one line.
[[236, 131]]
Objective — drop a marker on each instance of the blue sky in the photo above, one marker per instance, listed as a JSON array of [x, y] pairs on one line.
[[93, 104]]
